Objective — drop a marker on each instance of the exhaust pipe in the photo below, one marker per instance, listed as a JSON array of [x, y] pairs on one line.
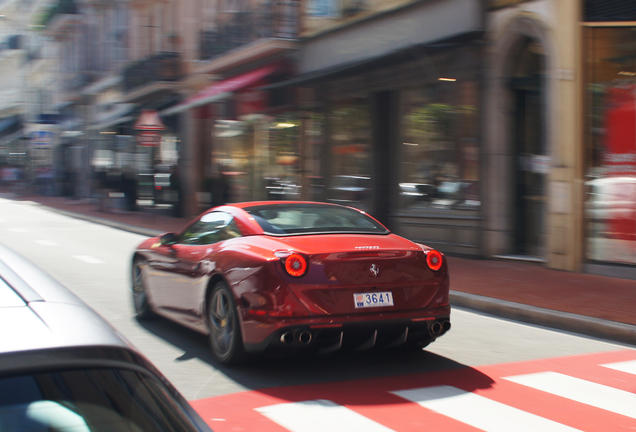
[[446, 325], [436, 328], [287, 337], [304, 337]]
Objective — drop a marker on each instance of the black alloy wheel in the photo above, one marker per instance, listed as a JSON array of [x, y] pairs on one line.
[[143, 310], [223, 323]]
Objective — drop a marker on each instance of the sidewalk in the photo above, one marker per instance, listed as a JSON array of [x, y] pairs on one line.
[[597, 306]]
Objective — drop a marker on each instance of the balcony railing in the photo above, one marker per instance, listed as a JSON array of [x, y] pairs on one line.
[[164, 66], [271, 20]]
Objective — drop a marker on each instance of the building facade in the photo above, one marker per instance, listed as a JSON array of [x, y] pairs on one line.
[[494, 128]]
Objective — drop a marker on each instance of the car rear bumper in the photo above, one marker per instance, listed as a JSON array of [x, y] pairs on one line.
[[325, 334]]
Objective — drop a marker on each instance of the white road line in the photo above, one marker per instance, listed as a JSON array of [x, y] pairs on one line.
[[319, 416], [18, 230], [626, 366], [46, 242], [586, 392], [88, 259], [478, 411]]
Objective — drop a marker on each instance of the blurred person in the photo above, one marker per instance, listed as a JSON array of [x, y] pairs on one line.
[[175, 179], [129, 188]]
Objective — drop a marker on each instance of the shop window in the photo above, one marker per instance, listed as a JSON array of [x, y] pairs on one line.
[[323, 9], [610, 135], [351, 154], [439, 161], [282, 177]]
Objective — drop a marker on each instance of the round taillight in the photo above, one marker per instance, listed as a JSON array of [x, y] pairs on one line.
[[296, 265], [434, 260]]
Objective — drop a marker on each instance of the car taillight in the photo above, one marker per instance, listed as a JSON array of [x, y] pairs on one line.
[[434, 260], [295, 265]]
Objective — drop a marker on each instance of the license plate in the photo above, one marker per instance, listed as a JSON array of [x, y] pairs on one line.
[[375, 299]]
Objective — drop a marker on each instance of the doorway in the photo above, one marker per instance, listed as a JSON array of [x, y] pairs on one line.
[[531, 160]]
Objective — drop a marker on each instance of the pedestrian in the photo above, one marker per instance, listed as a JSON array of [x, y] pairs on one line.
[[175, 181], [129, 186]]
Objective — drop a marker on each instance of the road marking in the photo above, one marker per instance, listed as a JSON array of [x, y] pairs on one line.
[[626, 366], [88, 259], [478, 411], [586, 392], [18, 230], [319, 416], [46, 242]]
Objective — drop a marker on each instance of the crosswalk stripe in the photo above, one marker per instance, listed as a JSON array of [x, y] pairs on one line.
[[478, 411], [319, 416], [626, 366], [579, 390]]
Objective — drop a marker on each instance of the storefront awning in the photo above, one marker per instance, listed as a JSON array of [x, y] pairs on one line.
[[404, 54], [222, 90]]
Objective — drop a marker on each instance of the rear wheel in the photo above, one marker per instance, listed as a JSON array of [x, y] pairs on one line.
[[143, 310], [224, 326]]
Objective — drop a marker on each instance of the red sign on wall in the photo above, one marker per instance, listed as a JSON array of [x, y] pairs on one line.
[[148, 139]]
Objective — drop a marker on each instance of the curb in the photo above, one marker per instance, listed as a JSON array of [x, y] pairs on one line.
[[580, 324]]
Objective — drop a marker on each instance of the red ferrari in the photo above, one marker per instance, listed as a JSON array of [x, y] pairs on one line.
[[260, 276]]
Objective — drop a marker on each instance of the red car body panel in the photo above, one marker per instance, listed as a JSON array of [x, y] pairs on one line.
[[269, 300]]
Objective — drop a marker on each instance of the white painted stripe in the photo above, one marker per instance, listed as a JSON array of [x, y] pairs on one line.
[[18, 230], [478, 411], [586, 392], [319, 416], [88, 259], [626, 366], [46, 242]]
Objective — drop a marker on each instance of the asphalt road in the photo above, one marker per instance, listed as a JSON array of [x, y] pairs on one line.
[[94, 262]]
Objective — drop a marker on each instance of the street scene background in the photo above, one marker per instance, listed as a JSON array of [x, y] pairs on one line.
[[499, 132]]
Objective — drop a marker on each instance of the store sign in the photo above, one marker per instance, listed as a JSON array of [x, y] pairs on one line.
[[149, 139], [42, 138], [620, 136]]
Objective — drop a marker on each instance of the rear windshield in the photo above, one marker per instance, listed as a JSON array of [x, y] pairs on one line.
[[294, 219]]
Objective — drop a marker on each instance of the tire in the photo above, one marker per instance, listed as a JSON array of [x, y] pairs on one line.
[[225, 330], [143, 310]]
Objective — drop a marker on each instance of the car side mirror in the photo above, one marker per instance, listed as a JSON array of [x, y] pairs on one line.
[[168, 239]]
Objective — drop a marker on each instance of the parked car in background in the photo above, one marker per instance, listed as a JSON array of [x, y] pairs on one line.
[[64, 368], [292, 275]]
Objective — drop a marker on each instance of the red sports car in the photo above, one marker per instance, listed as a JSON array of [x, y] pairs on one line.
[[259, 276]]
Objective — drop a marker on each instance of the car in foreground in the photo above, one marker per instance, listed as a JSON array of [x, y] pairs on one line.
[[64, 368], [273, 275]]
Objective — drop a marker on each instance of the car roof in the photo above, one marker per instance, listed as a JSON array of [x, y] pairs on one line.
[[42, 314], [248, 225]]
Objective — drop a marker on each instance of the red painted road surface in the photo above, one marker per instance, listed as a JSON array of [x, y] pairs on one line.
[[595, 393]]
